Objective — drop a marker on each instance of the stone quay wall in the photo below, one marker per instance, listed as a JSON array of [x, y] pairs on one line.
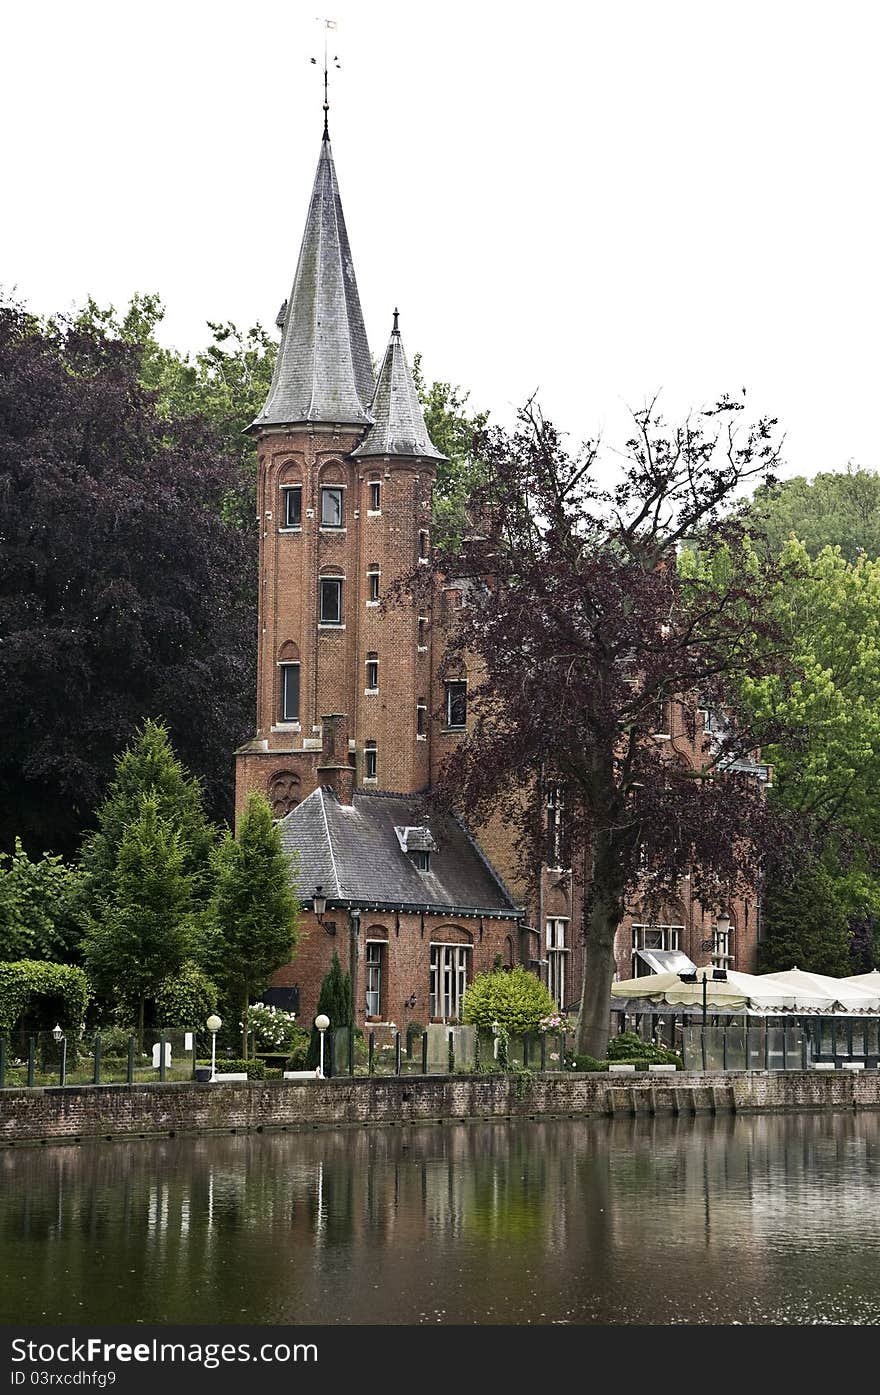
[[80, 1112]]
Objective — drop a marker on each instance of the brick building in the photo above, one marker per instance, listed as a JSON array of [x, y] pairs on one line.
[[353, 720]]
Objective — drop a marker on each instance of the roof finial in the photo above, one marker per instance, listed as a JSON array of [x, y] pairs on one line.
[[395, 330], [328, 24]]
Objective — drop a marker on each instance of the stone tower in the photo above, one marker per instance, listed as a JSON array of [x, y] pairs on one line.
[[345, 474]]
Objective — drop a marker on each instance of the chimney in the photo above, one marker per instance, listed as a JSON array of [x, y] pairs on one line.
[[334, 769]]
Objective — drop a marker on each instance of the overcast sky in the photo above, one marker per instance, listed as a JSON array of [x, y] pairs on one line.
[[593, 200]]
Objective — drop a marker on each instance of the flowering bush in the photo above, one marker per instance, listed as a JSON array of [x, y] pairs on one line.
[[273, 1028], [553, 1022]]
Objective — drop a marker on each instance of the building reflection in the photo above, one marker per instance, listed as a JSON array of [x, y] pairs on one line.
[[594, 1220]]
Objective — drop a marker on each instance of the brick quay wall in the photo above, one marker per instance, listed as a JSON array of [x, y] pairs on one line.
[[81, 1112]]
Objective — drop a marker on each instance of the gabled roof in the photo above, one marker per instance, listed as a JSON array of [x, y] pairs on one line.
[[398, 420], [353, 852], [323, 373]]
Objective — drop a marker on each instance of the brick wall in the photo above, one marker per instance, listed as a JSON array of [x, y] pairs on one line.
[[120, 1111]]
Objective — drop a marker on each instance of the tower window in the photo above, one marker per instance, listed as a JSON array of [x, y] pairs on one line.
[[331, 600], [375, 496], [373, 586], [331, 507], [456, 705], [289, 692], [422, 632], [421, 717], [423, 544], [293, 499], [370, 760], [373, 672]]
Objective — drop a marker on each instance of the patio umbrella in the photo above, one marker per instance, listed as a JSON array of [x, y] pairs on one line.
[[668, 988], [850, 997]]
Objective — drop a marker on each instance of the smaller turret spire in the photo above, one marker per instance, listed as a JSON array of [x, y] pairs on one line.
[[399, 423]]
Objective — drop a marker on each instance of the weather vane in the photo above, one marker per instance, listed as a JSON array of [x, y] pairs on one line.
[[328, 24]]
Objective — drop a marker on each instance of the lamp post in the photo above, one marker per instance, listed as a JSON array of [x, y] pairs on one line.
[[322, 1022], [61, 1039], [213, 1025], [354, 917]]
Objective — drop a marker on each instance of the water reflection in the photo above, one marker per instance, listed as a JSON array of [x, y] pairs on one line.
[[763, 1219]]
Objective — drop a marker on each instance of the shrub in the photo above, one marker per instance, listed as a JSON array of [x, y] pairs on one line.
[[628, 1047], [298, 1047], [186, 999], [256, 1070], [36, 993], [585, 1063], [516, 1000]]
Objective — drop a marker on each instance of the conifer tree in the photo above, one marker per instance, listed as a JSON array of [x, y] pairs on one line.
[[141, 931], [334, 1000], [806, 927], [254, 912], [148, 768]]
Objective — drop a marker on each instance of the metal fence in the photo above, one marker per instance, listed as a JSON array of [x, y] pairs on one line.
[[437, 1050], [109, 1058]]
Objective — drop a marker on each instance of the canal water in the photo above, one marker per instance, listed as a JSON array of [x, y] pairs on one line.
[[756, 1219]]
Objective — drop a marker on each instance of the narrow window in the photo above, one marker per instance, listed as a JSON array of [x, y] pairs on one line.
[[423, 545], [422, 631], [557, 852], [422, 859], [456, 705], [373, 586], [556, 955], [293, 499], [331, 507], [373, 977], [370, 760], [373, 672], [289, 692], [421, 717], [375, 496], [331, 601]]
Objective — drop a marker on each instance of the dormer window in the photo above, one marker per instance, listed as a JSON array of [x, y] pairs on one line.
[[422, 859], [418, 844]]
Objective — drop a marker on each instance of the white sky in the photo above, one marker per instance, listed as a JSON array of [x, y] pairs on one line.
[[593, 200]]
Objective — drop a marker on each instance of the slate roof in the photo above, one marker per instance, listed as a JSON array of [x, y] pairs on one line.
[[323, 372], [398, 420], [354, 854]]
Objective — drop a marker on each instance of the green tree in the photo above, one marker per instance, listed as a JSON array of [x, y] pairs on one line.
[[38, 900], [827, 770], [148, 769], [839, 509], [807, 928], [140, 931], [253, 913], [515, 999], [334, 1000]]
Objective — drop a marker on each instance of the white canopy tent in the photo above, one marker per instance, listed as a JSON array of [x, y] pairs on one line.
[[755, 994], [845, 995]]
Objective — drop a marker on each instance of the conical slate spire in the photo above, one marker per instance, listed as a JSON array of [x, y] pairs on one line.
[[398, 420], [323, 373]]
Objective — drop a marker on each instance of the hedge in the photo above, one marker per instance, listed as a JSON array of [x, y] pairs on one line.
[[37, 990]]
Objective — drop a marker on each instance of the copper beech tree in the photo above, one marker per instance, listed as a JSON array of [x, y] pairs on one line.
[[588, 607]]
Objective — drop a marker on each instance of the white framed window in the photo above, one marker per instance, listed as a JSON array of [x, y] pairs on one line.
[[375, 496], [372, 673], [653, 937], [373, 586], [721, 952], [421, 719], [371, 759], [332, 506], [293, 498], [331, 600], [289, 705], [557, 956], [456, 705], [448, 979], [373, 976]]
